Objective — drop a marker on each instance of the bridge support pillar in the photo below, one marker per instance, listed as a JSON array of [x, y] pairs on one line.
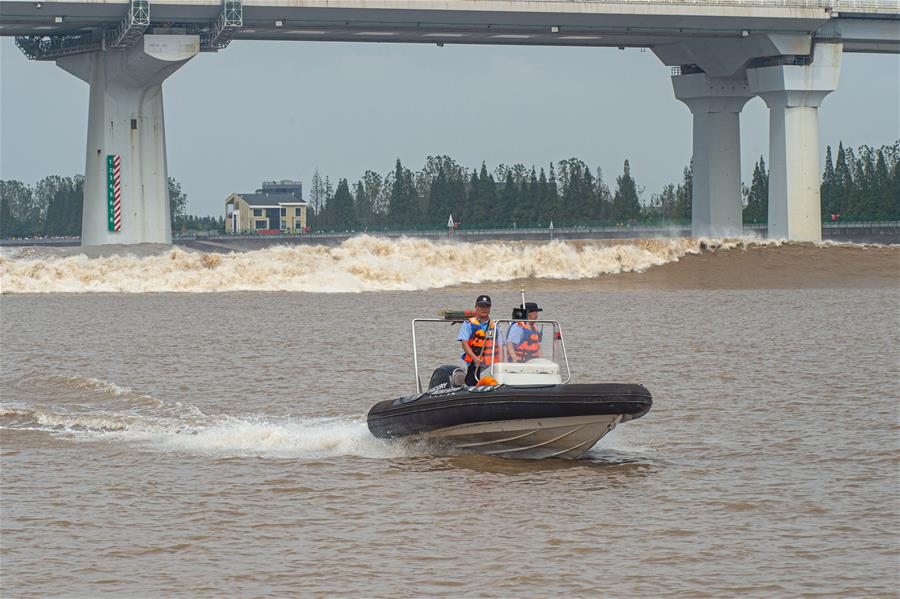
[[715, 103], [125, 119], [793, 93]]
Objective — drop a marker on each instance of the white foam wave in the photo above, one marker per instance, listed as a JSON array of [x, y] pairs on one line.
[[359, 264], [625, 441], [216, 435], [293, 438], [18, 416]]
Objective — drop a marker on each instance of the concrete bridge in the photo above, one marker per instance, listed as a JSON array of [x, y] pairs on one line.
[[723, 53]]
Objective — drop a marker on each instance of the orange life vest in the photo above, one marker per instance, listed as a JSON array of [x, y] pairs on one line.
[[530, 346], [482, 340]]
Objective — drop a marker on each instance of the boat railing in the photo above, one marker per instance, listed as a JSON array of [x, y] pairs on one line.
[[499, 351], [558, 350], [415, 350]]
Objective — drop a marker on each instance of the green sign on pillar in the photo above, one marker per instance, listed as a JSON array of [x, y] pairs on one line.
[[113, 192]]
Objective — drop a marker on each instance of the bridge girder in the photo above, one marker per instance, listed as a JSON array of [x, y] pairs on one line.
[[52, 28]]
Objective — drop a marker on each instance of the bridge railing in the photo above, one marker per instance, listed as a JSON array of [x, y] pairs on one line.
[[853, 6]]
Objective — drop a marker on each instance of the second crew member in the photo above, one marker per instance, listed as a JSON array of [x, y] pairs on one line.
[[523, 341]]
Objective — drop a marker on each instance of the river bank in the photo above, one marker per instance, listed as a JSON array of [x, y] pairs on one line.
[[882, 232]]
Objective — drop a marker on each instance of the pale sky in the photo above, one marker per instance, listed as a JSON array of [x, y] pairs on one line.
[[278, 110]]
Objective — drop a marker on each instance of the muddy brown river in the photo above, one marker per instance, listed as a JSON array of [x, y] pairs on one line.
[[187, 426]]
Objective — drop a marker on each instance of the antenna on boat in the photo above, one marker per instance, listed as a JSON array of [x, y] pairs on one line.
[[518, 312]]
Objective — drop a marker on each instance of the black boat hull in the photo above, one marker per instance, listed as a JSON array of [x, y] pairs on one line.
[[540, 421]]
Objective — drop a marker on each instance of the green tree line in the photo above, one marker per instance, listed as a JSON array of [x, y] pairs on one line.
[[860, 185], [568, 192], [52, 207], [856, 185]]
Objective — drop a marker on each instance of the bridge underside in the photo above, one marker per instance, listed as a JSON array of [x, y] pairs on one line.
[[521, 22], [724, 53]]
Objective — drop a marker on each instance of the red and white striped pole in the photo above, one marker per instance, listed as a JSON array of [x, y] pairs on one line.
[[114, 192], [117, 197]]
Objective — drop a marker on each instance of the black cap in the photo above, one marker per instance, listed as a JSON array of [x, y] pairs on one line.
[[532, 307], [483, 300]]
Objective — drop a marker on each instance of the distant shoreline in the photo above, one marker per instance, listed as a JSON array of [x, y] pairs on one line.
[[852, 232]]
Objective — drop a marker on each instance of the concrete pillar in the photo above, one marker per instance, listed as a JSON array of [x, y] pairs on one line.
[[126, 118], [794, 93], [716, 104]]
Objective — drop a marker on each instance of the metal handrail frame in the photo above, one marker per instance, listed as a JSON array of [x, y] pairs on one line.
[[562, 341], [229, 21], [497, 324], [132, 26]]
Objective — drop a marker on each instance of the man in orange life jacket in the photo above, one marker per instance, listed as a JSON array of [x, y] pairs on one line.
[[523, 341], [477, 337]]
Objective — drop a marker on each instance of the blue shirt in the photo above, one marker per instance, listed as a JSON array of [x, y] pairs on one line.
[[516, 333], [467, 329]]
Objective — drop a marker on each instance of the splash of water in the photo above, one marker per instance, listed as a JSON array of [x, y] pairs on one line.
[[292, 438], [96, 408], [216, 435], [359, 264]]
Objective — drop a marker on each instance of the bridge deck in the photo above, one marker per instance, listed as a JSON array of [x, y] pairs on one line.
[[522, 22]]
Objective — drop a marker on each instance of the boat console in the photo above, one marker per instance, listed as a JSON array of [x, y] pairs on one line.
[[537, 371]]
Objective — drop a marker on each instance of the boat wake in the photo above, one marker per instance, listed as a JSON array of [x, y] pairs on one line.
[[359, 264], [220, 436], [88, 409]]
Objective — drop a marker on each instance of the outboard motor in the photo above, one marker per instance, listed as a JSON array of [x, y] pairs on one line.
[[448, 375]]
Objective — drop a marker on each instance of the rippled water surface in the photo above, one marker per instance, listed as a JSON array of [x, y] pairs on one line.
[[209, 444]]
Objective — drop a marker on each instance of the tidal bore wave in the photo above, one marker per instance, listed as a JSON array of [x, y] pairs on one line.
[[359, 264]]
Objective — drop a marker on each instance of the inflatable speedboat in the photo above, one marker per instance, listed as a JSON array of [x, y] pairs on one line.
[[518, 409]]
